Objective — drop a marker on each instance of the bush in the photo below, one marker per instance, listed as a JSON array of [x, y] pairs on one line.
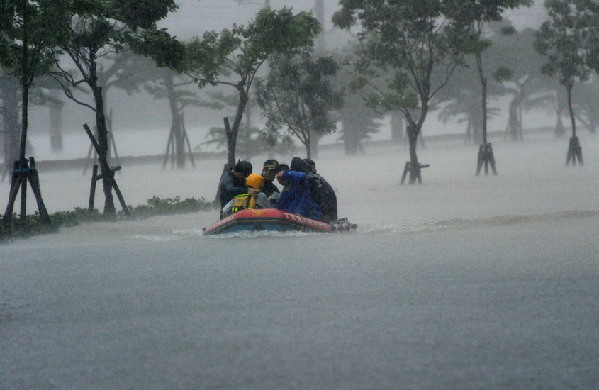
[[33, 224], [158, 206]]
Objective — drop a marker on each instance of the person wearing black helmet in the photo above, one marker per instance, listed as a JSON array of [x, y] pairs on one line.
[[320, 189], [295, 197], [310, 165], [269, 171], [232, 182]]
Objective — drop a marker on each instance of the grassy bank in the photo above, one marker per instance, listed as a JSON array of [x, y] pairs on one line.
[[62, 219]]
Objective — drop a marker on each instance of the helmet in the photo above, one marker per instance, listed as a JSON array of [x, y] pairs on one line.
[[255, 181], [298, 165], [310, 165], [244, 167]]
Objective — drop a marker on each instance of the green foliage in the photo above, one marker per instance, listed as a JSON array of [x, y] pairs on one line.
[[251, 142], [234, 56], [242, 49], [42, 37], [503, 73], [298, 95], [358, 121], [34, 224], [517, 76], [167, 51], [476, 12], [159, 206], [568, 40], [141, 14], [409, 50], [471, 17], [206, 56], [97, 29]]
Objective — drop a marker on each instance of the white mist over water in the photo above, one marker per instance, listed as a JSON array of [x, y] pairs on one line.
[[461, 282]]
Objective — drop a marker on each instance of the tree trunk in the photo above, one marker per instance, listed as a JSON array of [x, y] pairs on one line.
[[234, 130], [102, 134], [314, 140], [483, 83], [570, 109], [25, 83], [559, 108], [574, 149], [11, 122], [23, 148], [514, 121], [24, 108], [176, 122], [413, 132], [349, 132]]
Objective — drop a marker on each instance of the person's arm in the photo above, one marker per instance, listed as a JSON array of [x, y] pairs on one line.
[[227, 208], [230, 187], [294, 176], [262, 201]]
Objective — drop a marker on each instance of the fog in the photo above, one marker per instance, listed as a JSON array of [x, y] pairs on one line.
[[460, 282], [192, 19]]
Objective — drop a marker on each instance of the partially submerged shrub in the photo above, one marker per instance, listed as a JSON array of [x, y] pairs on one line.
[[158, 206], [155, 206]]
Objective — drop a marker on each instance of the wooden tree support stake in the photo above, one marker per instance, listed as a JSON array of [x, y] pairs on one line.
[[92, 149], [25, 171], [414, 172], [92, 192], [107, 170], [485, 157], [574, 152], [178, 126]]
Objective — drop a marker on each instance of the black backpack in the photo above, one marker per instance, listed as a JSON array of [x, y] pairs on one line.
[[324, 196]]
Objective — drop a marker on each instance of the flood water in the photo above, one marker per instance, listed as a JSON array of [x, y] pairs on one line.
[[460, 282]]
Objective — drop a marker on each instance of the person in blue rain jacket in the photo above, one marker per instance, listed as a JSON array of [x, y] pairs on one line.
[[295, 196]]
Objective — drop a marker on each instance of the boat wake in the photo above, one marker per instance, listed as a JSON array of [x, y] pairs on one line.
[[187, 234], [402, 227], [459, 223], [262, 233]]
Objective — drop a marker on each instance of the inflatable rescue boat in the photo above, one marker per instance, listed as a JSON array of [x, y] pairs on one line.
[[274, 220]]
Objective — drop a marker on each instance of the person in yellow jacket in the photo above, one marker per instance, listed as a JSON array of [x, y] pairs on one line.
[[254, 199]]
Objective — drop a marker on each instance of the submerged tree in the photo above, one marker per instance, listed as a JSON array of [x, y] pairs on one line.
[[27, 50], [514, 51], [250, 141], [358, 121], [569, 41], [97, 29], [475, 15], [233, 57], [413, 45], [179, 92], [460, 101], [298, 95]]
